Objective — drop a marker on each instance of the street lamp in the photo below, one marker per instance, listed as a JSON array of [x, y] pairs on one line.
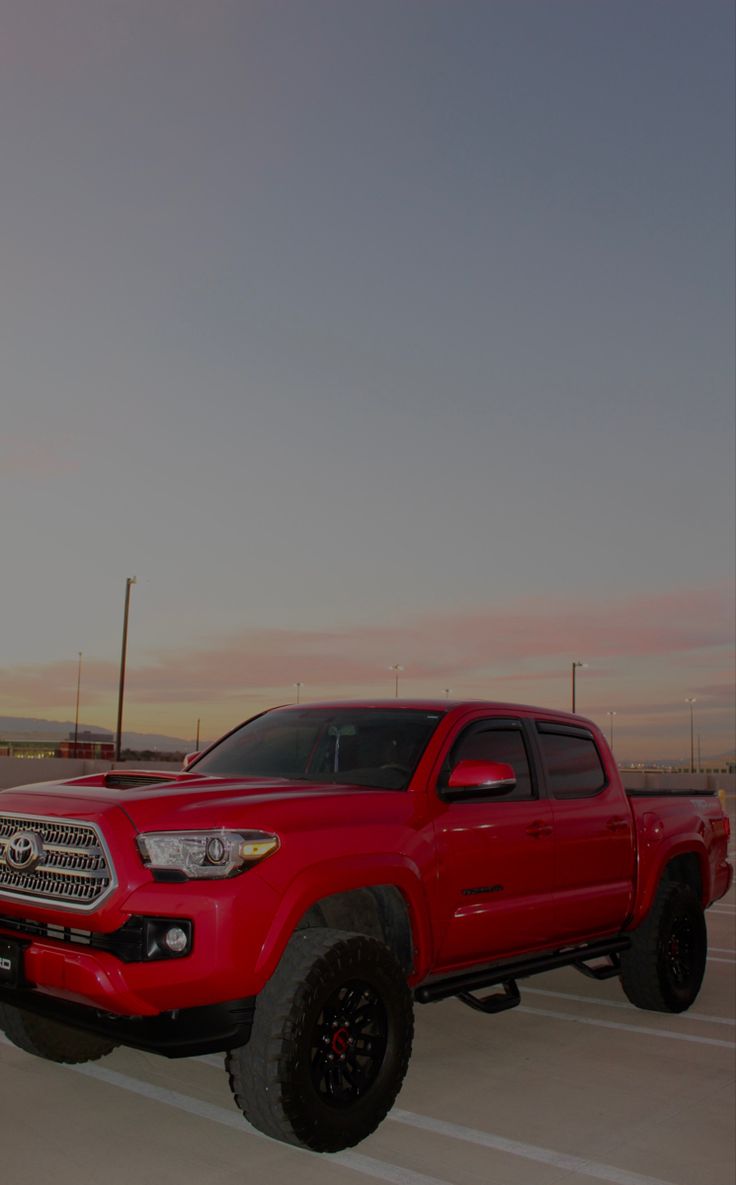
[[76, 711], [691, 700], [121, 689], [575, 666], [610, 716], [298, 690], [447, 691], [396, 668]]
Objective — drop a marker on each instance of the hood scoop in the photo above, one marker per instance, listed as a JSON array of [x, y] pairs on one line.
[[119, 779]]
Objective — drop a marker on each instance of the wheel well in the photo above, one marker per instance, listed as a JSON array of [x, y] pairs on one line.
[[378, 911], [686, 871]]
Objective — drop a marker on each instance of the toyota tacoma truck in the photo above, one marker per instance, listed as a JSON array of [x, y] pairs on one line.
[[289, 895]]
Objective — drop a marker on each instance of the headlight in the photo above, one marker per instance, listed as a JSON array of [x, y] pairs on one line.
[[179, 855]]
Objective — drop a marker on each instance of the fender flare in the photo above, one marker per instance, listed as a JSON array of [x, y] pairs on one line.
[[341, 875]]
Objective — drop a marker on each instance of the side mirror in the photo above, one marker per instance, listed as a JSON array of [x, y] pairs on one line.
[[190, 759], [485, 777]]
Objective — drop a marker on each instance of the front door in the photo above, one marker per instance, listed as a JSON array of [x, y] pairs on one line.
[[496, 854]]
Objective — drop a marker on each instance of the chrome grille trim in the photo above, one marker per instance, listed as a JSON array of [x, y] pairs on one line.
[[76, 872]]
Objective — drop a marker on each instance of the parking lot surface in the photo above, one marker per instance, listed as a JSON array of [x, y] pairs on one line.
[[576, 1085]]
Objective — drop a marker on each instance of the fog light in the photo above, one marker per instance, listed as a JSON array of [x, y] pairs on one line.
[[176, 940]]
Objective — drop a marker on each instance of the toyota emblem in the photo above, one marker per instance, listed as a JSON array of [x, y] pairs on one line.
[[24, 851]]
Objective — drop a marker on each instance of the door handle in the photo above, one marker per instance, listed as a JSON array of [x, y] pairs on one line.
[[618, 825], [538, 829]]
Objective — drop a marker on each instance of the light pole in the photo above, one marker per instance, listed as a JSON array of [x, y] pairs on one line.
[[196, 740], [575, 666], [611, 716], [691, 700], [298, 691], [396, 668], [121, 689], [76, 711], [447, 691]]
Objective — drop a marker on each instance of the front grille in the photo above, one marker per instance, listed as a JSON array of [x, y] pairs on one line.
[[71, 867]]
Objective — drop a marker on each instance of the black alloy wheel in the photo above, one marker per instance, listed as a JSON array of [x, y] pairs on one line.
[[348, 1043], [681, 950]]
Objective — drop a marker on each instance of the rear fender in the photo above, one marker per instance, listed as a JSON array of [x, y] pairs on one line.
[[654, 866]]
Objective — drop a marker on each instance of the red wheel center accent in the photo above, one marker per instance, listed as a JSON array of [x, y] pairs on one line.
[[340, 1041]]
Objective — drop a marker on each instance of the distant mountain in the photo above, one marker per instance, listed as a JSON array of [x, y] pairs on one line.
[[20, 728]]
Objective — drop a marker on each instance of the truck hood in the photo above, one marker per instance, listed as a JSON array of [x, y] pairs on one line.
[[190, 802]]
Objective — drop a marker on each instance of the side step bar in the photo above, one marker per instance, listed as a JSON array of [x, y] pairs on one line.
[[498, 1002], [469, 981]]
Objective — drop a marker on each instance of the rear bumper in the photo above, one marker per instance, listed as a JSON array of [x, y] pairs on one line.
[[723, 880]]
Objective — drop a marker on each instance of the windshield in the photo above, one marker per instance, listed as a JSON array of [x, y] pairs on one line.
[[366, 747]]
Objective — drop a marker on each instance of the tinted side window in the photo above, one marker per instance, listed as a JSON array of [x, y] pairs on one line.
[[484, 741], [572, 764]]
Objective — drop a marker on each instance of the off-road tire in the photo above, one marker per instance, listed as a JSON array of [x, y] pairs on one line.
[[51, 1040], [330, 1044], [664, 968]]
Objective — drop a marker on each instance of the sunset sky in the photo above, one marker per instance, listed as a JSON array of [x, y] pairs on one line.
[[368, 332]]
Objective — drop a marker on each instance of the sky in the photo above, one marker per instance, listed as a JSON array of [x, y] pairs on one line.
[[362, 333]]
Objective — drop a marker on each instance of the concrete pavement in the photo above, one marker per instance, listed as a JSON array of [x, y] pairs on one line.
[[575, 1086]]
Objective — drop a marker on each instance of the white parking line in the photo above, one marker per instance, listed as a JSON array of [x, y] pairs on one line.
[[723, 950], [698, 1016], [729, 962], [369, 1166], [641, 1029], [561, 1160]]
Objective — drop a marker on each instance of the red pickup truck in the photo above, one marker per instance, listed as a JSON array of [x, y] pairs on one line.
[[289, 895]]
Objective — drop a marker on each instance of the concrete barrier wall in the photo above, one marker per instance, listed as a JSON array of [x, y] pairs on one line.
[[640, 779], [20, 771]]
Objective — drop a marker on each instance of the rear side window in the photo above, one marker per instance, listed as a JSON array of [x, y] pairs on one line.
[[571, 762]]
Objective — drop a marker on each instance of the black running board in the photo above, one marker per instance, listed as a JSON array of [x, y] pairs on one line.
[[498, 1002], [505, 973]]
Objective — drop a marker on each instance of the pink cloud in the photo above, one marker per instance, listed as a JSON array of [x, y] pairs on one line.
[[48, 684], [35, 458], [467, 648]]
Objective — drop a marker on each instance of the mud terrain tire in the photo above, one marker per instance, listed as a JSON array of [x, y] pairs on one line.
[[330, 1043], [664, 968], [51, 1040]]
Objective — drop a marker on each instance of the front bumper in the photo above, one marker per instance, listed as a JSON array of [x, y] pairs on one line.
[[188, 1032], [93, 968]]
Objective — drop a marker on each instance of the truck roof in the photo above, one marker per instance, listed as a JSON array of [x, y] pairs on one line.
[[445, 706]]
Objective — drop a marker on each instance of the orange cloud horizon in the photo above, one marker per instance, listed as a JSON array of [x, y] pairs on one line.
[[662, 639]]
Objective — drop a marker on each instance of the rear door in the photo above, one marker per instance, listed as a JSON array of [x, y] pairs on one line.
[[593, 829], [496, 853]]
